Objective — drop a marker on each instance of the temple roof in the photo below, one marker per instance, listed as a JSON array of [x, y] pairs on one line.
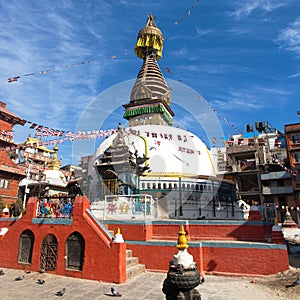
[[9, 117]]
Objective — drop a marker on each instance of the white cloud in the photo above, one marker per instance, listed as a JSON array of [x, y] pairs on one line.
[[294, 75], [289, 37], [246, 8], [202, 32]]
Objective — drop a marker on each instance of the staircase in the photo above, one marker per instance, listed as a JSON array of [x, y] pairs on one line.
[[133, 267]]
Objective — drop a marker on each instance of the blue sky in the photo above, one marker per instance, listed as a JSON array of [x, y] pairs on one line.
[[242, 57]]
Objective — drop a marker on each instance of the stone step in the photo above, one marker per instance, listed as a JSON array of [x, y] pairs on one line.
[[130, 261], [134, 270], [128, 253], [133, 267]]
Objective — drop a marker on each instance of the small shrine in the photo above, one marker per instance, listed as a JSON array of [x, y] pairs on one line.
[[183, 275]]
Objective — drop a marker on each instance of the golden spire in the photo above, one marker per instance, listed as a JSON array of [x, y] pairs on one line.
[[182, 240], [149, 39], [54, 163]]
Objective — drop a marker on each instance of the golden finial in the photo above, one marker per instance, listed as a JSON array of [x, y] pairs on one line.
[[118, 230], [182, 240], [149, 38]]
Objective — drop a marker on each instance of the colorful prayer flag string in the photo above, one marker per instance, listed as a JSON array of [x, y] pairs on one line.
[[46, 71], [188, 13]]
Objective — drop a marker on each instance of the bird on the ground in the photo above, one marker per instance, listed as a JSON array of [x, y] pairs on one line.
[[296, 282], [202, 280], [40, 281], [115, 292], [61, 292], [27, 272], [41, 271], [19, 278], [1, 272]]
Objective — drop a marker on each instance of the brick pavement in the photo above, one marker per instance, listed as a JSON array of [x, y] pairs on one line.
[[147, 285]]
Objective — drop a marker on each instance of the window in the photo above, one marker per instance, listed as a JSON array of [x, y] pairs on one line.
[[75, 251], [296, 138], [280, 182], [297, 157], [25, 247], [4, 183]]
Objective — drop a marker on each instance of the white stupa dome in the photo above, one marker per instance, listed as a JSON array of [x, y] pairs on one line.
[[170, 150]]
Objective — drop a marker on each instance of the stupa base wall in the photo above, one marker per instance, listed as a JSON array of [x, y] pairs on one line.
[[227, 253]]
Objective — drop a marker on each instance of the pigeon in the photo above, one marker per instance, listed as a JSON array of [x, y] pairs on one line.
[[202, 280], [40, 281], [41, 271], [19, 278], [115, 293], [27, 272], [1, 272], [296, 282], [61, 292]]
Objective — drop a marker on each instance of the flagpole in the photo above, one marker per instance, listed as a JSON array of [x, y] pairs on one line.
[[28, 170]]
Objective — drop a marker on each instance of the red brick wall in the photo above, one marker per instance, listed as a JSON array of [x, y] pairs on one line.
[[5, 126], [230, 260], [106, 261], [244, 261], [103, 260], [233, 248], [10, 195], [134, 231], [246, 231]]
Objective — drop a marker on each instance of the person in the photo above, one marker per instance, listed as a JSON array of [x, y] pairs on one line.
[[14, 210]]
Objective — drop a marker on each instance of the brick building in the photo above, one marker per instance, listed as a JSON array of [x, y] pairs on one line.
[[258, 162], [10, 173], [292, 137]]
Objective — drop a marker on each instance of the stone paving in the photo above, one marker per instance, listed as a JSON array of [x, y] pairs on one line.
[[147, 285]]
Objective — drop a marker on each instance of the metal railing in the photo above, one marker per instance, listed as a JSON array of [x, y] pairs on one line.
[[128, 207]]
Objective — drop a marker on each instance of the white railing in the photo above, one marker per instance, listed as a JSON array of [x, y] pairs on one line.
[[128, 207]]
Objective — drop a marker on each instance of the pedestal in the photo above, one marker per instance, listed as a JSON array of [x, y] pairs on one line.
[[181, 282]]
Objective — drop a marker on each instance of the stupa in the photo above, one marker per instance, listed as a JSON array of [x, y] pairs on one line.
[[151, 156]]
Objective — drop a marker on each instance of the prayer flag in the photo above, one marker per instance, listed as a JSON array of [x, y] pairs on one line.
[[45, 131], [13, 79], [52, 132], [33, 125]]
